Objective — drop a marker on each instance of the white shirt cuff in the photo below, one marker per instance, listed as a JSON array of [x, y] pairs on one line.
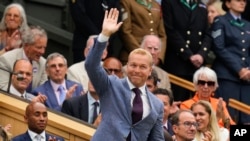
[[102, 38]]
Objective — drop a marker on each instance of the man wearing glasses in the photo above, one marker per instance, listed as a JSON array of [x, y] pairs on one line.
[[113, 66], [184, 125], [57, 88]]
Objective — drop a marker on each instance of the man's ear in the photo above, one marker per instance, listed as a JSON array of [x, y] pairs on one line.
[[25, 119], [174, 127]]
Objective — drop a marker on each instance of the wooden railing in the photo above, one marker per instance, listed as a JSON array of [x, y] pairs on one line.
[[239, 106], [181, 82], [12, 111]]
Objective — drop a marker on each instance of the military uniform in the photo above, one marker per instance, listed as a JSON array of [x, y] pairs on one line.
[[187, 31], [140, 19], [232, 49]]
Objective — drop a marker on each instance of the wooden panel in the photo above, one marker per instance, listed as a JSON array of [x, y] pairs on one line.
[[12, 111]]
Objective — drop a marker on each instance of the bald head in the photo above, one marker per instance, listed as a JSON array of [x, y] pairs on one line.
[[36, 117], [113, 66], [24, 68], [90, 44]]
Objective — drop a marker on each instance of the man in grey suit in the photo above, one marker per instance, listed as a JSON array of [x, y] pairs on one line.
[[34, 45], [131, 115]]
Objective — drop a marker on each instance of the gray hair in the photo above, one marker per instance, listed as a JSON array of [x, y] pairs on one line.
[[55, 55], [146, 37], [206, 71], [29, 36], [24, 25]]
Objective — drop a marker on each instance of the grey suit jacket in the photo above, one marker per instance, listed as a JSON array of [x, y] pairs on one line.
[[115, 96], [7, 61]]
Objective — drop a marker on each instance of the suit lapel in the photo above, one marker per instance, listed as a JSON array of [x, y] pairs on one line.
[[84, 107], [51, 94], [127, 95], [27, 137]]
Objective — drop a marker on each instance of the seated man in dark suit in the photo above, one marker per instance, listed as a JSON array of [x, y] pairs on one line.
[[36, 117], [57, 88], [83, 107]]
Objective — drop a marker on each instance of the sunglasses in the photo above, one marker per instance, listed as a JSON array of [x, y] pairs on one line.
[[209, 83], [109, 71]]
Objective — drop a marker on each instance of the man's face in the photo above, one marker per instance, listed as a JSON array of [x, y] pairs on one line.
[[152, 45], [113, 67], [37, 118], [166, 102], [183, 130], [150, 85], [138, 69], [36, 50], [56, 69], [13, 18], [24, 68]]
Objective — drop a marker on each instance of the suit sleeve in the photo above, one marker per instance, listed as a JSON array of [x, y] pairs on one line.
[[172, 33], [4, 75], [96, 73], [67, 107]]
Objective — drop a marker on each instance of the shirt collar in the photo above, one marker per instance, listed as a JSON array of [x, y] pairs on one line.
[[91, 99], [14, 91], [33, 135], [131, 86], [55, 86], [235, 17]]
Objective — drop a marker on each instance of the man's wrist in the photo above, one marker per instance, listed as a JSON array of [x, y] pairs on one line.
[[102, 38]]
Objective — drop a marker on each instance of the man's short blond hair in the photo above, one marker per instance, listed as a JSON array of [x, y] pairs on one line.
[[142, 52]]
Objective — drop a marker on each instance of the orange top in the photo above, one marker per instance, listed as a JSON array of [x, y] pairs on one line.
[[213, 101]]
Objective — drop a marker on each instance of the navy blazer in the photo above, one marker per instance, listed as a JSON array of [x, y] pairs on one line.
[[26, 137], [231, 46], [187, 34], [77, 107], [51, 102], [115, 98]]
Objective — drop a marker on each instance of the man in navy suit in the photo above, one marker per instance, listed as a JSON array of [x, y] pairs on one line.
[[82, 107], [57, 88], [118, 96], [36, 117]]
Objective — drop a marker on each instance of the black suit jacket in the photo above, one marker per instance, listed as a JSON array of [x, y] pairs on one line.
[[26, 137], [187, 34], [88, 17], [77, 107]]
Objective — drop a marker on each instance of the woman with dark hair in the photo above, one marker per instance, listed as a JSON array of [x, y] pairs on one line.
[[231, 38]]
